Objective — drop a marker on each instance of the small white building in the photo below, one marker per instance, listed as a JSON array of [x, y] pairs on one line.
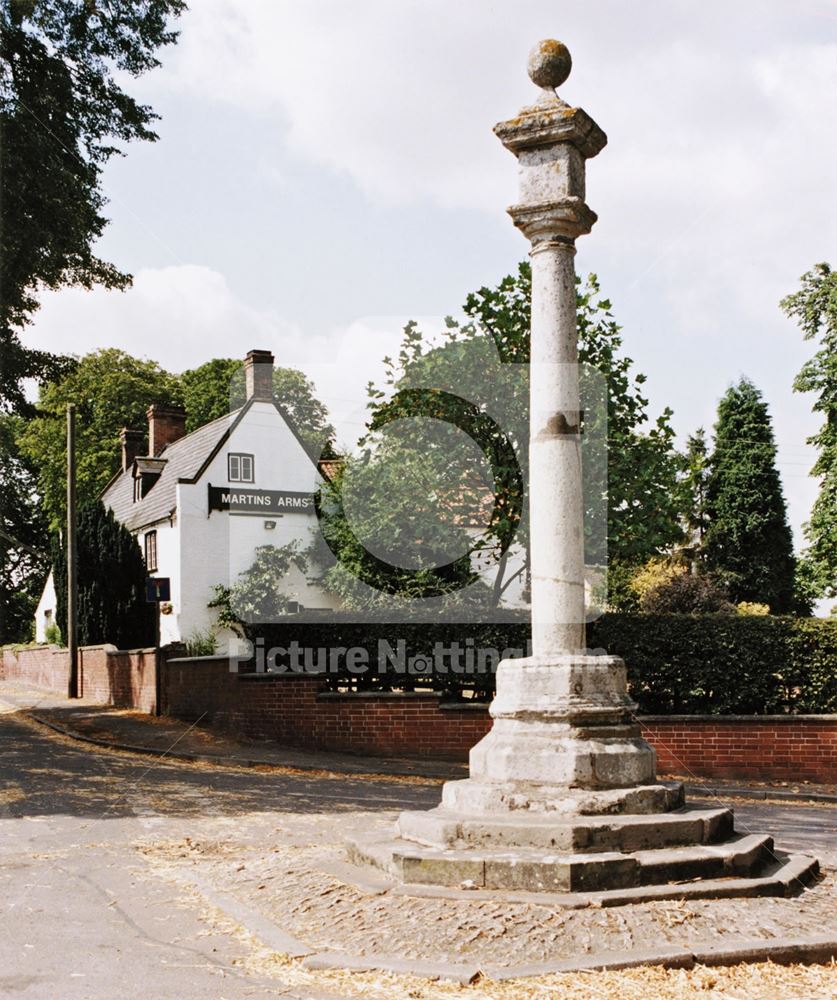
[[200, 504]]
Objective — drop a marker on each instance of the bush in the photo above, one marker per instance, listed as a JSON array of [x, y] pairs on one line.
[[200, 644], [52, 634], [687, 594], [677, 664]]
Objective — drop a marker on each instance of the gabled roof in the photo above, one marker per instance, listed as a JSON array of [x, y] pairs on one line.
[[184, 459]]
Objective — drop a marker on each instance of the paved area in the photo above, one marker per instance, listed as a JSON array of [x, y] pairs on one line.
[[129, 876]]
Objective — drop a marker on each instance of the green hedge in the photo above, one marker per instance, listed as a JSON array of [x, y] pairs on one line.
[[677, 664], [725, 664]]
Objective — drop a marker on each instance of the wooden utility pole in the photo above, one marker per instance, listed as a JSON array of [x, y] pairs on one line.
[[72, 555]]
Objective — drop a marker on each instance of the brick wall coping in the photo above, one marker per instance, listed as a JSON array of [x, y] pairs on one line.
[[52, 648], [202, 659], [786, 717]]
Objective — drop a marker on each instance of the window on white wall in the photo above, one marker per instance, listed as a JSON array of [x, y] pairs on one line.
[[151, 551], [240, 468]]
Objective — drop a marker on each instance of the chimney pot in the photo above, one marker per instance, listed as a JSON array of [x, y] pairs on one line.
[[258, 375], [132, 442], [165, 425]]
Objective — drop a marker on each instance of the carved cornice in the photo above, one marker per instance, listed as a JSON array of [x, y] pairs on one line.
[[548, 123]]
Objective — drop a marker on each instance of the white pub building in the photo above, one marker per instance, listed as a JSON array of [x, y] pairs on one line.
[[200, 504]]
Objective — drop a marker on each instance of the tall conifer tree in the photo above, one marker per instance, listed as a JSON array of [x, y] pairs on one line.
[[749, 544], [111, 583]]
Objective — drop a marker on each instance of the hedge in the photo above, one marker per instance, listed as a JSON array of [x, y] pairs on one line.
[[677, 664]]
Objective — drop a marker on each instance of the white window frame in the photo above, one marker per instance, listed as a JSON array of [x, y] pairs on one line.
[[241, 467], [150, 542]]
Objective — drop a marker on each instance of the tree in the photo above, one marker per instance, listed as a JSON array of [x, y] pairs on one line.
[[24, 539], [259, 595], [111, 390], [111, 583], [814, 307], [749, 545], [379, 514], [217, 387], [637, 470], [694, 483], [62, 111]]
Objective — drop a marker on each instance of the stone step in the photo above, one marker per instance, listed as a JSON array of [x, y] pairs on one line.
[[533, 870], [625, 833]]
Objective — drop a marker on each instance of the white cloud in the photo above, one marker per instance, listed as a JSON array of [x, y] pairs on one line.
[[181, 316]]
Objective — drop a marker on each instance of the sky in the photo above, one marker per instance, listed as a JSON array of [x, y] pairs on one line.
[[327, 170]]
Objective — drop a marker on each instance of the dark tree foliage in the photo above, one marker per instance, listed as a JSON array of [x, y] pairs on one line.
[[111, 583], [62, 112], [814, 307], [111, 390], [24, 539], [749, 545]]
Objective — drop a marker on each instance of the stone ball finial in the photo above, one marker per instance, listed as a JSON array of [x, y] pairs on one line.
[[549, 64]]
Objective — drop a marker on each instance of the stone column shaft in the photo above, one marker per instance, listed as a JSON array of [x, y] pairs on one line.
[[556, 495]]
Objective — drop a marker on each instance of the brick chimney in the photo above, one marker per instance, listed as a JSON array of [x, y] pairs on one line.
[[165, 424], [258, 375], [132, 442]]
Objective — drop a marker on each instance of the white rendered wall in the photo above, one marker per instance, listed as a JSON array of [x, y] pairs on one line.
[[215, 548], [46, 603], [168, 564]]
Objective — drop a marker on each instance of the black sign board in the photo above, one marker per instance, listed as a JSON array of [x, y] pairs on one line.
[[157, 589], [241, 501]]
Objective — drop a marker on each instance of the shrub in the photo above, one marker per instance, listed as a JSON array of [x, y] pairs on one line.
[[684, 593], [200, 644], [52, 634]]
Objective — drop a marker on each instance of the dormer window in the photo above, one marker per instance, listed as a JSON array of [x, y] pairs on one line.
[[240, 468], [146, 473]]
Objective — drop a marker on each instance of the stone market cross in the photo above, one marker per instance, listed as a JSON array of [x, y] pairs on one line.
[[562, 794]]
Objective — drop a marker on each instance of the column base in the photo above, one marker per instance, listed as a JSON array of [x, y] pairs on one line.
[[563, 797]]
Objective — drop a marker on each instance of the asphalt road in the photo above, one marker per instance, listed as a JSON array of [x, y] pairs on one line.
[[82, 918]]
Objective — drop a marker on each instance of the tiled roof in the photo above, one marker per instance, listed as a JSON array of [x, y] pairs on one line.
[[183, 459]]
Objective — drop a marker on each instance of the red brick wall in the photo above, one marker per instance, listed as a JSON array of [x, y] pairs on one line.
[[124, 678], [41, 667], [292, 709], [108, 675], [784, 747]]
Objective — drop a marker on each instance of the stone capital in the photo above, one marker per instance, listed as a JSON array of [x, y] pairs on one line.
[[553, 221]]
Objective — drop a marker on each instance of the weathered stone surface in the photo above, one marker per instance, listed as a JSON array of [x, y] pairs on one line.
[[470, 796], [534, 869], [443, 829]]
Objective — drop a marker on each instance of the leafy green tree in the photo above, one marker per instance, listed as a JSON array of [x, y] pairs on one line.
[[24, 539], [217, 387], [381, 516], [63, 112], [111, 390], [749, 545], [637, 470], [111, 583], [814, 307]]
